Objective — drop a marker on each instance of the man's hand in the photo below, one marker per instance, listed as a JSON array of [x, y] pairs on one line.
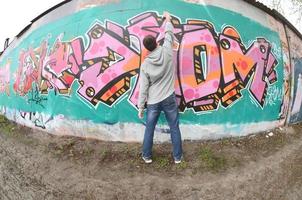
[[167, 16], [141, 113]]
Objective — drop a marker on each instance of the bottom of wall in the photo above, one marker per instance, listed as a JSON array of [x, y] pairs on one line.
[[131, 132]]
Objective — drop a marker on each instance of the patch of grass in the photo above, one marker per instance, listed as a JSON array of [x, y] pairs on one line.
[[69, 144], [279, 141], [6, 126], [64, 148], [182, 165], [161, 162], [125, 151], [129, 151], [104, 153], [87, 151], [225, 141], [209, 160], [8, 129], [12, 130], [3, 119]]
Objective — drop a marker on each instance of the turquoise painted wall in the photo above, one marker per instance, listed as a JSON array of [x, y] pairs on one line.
[[245, 109]]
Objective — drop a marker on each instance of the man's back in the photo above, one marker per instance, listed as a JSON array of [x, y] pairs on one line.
[[157, 72]]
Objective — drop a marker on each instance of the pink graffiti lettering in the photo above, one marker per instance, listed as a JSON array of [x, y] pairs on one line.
[[113, 64], [211, 68], [29, 70]]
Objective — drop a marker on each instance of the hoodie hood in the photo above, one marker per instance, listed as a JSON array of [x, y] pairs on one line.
[[155, 64], [156, 57]]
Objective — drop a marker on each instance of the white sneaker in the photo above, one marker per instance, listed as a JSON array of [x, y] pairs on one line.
[[177, 161], [147, 160]]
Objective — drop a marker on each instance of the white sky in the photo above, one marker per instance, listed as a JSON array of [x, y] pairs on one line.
[[16, 14], [287, 8]]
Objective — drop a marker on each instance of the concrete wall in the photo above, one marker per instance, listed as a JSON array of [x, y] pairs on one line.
[[295, 45], [76, 70]]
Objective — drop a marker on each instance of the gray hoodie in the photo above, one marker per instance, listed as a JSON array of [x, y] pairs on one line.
[[157, 72]]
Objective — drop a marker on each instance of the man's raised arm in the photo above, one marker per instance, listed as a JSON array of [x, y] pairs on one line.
[[169, 36]]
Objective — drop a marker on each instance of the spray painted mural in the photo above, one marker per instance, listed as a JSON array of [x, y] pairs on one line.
[[225, 74], [297, 103], [296, 89], [211, 67]]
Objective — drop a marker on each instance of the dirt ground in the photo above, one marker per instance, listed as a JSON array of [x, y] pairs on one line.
[[36, 165]]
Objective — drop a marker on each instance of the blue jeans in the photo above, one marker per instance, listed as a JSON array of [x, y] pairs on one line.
[[170, 108]]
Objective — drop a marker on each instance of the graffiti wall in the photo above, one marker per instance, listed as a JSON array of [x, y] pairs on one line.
[[79, 74], [296, 60]]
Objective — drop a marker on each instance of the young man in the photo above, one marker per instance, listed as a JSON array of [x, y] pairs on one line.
[[157, 75]]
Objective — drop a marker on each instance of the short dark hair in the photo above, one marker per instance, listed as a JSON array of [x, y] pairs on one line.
[[150, 42]]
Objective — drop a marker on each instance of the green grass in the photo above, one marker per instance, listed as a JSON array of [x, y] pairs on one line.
[[225, 141], [104, 153], [182, 165], [7, 127], [67, 147], [161, 162], [209, 160], [12, 130], [87, 151], [3, 119]]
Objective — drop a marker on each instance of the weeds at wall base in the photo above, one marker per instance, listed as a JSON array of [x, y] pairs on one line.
[[7, 127], [161, 162], [199, 156], [210, 160]]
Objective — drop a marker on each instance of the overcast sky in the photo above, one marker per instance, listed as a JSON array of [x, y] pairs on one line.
[[287, 8], [16, 14]]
